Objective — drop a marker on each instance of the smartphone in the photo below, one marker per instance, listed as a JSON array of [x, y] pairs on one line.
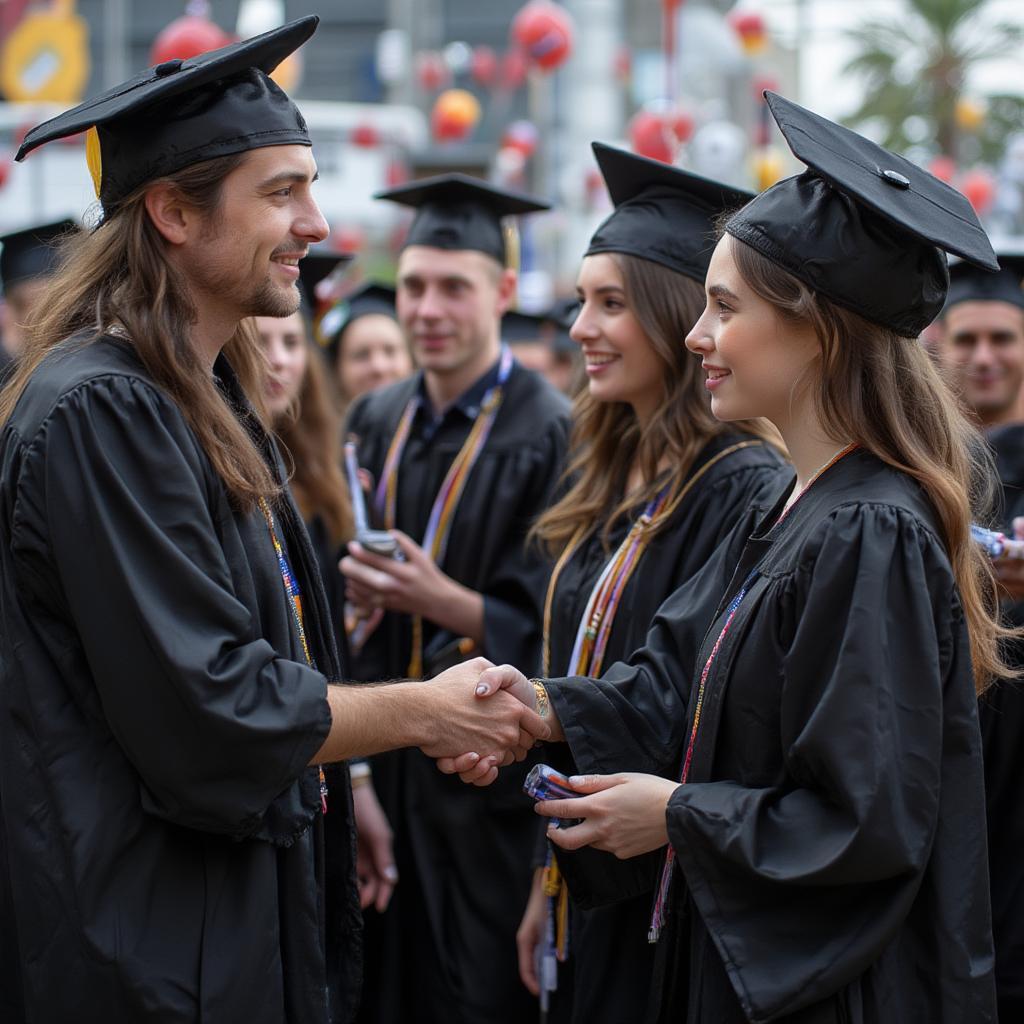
[[379, 542]]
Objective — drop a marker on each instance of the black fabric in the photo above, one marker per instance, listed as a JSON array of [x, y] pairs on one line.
[[862, 226], [445, 950], [31, 252], [157, 717], [318, 264], [183, 112], [830, 836], [1001, 711], [968, 284], [662, 213], [608, 975], [456, 211]]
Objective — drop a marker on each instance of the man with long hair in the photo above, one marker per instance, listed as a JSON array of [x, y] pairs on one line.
[[166, 652]]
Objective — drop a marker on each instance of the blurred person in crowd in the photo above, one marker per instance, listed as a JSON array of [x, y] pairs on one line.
[[28, 258], [462, 458], [654, 483], [542, 343], [365, 346], [810, 764], [982, 346], [166, 644]]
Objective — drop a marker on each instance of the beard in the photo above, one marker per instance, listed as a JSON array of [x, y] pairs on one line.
[[268, 299]]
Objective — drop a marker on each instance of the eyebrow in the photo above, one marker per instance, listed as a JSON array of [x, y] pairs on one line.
[[605, 289], [448, 280], [719, 291], [288, 178]]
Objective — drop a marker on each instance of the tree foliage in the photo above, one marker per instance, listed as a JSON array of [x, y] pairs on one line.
[[915, 67]]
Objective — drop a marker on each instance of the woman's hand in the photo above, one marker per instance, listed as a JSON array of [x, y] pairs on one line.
[[623, 814], [531, 933], [375, 861]]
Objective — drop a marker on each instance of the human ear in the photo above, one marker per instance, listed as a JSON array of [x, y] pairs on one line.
[[169, 214], [506, 289]]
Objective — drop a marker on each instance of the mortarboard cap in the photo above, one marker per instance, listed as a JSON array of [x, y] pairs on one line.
[[31, 252], [519, 327], [861, 225], [182, 112], [968, 284], [563, 315], [315, 267], [368, 298], [455, 211], [662, 214]]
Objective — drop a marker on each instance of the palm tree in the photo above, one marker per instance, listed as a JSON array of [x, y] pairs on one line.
[[915, 66]]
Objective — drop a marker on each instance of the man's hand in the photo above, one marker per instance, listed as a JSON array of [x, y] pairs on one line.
[[375, 862], [495, 731], [495, 681], [623, 814], [415, 587]]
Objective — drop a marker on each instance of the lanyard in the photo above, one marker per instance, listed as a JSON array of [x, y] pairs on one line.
[[442, 512], [294, 592]]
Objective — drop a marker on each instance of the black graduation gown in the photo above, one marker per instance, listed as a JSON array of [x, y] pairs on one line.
[[1001, 711], [157, 717], [445, 948], [609, 970], [831, 855]]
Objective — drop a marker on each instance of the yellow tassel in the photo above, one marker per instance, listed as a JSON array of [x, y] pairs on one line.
[[94, 158]]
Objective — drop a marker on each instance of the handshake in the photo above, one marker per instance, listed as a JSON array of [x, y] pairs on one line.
[[482, 717]]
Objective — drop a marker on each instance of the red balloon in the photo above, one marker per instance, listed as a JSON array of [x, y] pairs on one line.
[[649, 136], [365, 136], [980, 189], [431, 71], [545, 32], [348, 239], [513, 68], [681, 125], [187, 37], [747, 24], [484, 66], [944, 168], [5, 170]]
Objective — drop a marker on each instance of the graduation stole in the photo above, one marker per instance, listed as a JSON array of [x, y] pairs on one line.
[[442, 513], [294, 592], [592, 635], [660, 900]]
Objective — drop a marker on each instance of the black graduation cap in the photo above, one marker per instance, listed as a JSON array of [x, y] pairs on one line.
[[968, 284], [518, 327], [563, 314], [861, 225], [182, 112], [31, 252], [662, 213], [455, 211], [318, 264], [369, 297]]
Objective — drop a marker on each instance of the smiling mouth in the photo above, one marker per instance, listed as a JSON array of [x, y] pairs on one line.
[[599, 359], [716, 374]]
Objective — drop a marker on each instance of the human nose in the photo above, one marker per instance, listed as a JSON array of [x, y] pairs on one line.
[[699, 339], [311, 223], [428, 306], [583, 328], [983, 355]]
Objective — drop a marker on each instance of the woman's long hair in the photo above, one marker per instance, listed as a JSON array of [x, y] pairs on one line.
[[607, 439], [117, 277], [883, 391], [311, 435]]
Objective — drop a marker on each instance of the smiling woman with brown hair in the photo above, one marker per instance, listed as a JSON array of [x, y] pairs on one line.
[[654, 482]]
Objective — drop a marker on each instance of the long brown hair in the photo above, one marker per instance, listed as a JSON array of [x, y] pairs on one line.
[[117, 277], [883, 391], [607, 440], [311, 435]]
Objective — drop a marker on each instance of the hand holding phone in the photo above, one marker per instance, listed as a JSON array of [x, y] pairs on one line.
[[544, 783]]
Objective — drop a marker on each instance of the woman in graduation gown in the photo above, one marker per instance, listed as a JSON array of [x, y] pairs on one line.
[[654, 483], [812, 760]]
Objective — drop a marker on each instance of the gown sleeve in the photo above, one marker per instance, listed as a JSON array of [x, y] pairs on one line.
[[803, 882], [633, 719], [214, 721]]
